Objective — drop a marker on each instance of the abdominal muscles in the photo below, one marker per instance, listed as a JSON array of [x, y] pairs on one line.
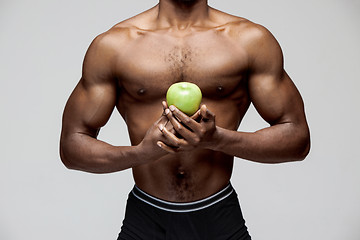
[[185, 177]]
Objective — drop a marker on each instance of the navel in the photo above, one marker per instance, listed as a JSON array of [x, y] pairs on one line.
[[181, 174]]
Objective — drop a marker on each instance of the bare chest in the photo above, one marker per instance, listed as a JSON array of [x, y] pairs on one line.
[[151, 63]]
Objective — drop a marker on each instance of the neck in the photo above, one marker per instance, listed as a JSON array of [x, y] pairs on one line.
[[182, 13]]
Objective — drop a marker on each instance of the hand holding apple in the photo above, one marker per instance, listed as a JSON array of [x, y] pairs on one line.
[[189, 133], [185, 96]]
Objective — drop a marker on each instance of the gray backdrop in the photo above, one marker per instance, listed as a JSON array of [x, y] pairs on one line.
[[42, 45]]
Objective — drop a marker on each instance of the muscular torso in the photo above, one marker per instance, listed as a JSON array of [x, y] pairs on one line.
[[143, 61], [150, 63], [132, 65]]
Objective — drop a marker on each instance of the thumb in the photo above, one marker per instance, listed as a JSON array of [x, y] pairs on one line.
[[163, 119]]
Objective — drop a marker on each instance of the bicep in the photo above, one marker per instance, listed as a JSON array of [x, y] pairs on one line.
[[89, 108], [93, 99], [272, 92], [276, 98]]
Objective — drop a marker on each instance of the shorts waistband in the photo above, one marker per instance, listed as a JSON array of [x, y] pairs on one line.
[[182, 207]]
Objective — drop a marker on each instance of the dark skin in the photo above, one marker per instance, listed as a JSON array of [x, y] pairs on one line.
[[234, 61]]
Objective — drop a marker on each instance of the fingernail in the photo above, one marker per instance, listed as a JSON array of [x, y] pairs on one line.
[[167, 111], [158, 144], [161, 127], [172, 108]]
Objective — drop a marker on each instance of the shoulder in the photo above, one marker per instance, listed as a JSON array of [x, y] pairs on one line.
[[250, 33], [104, 50], [238, 25], [259, 36], [245, 32], [124, 31], [112, 37], [257, 41], [110, 44], [261, 48]]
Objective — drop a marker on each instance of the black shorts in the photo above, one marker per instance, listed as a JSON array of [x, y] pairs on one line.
[[217, 217]]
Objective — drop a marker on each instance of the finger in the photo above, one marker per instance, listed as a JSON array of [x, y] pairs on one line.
[[162, 120], [166, 147], [172, 140], [164, 104], [189, 122], [162, 125], [169, 127], [206, 114], [167, 135], [179, 128], [172, 119], [196, 115]]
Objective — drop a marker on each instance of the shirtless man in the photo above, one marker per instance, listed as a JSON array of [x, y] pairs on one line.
[[182, 174]]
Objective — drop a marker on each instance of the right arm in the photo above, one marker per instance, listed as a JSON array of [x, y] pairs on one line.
[[89, 108]]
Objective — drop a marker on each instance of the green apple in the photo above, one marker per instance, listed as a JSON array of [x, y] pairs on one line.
[[185, 96]]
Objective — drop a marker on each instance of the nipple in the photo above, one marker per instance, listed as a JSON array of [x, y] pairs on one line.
[[141, 91], [219, 89]]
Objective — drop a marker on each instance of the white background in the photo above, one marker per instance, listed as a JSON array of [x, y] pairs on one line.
[[42, 45]]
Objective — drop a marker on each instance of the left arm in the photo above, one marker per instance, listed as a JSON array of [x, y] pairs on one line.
[[279, 103]]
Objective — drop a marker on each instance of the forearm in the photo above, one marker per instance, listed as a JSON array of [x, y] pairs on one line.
[[86, 153], [279, 143]]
